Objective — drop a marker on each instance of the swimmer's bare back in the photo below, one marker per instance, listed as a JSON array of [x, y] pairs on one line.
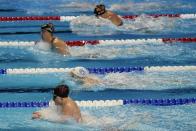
[[61, 46], [71, 109], [114, 18]]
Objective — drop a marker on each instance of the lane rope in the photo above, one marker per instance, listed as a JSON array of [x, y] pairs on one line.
[[106, 103], [102, 42], [69, 18], [97, 70]]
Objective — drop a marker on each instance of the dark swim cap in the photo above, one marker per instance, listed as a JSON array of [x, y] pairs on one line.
[[61, 91], [48, 27], [101, 12]]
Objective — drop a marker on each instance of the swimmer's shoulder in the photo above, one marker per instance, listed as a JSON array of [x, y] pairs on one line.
[[58, 42], [54, 40]]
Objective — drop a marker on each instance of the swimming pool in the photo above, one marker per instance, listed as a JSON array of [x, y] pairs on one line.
[[132, 85]]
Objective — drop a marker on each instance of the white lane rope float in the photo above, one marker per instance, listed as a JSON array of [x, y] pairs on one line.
[[103, 42], [105, 103], [32, 71]]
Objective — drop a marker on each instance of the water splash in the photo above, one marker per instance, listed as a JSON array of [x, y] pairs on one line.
[[139, 117], [134, 117], [138, 81], [147, 24], [131, 50], [90, 25], [54, 114]]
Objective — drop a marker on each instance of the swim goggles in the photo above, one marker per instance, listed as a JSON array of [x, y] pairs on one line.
[[99, 10], [48, 27]]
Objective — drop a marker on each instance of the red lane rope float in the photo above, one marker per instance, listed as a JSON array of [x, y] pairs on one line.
[[68, 18], [26, 18], [183, 40], [164, 40], [104, 42], [154, 16], [82, 43]]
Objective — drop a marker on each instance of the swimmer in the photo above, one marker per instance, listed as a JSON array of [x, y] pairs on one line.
[[53, 42], [100, 11], [81, 74], [69, 107]]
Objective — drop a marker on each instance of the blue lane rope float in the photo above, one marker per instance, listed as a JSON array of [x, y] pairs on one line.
[[23, 104], [160, 102], [104, 103], [98, 70], [3, 71], [114, 70]]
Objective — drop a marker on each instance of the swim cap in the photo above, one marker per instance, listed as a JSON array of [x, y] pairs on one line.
[[101, 11], [61, 91], [80, 72], [49, 27]]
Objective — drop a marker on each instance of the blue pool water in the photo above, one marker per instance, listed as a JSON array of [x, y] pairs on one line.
[[140, 85]]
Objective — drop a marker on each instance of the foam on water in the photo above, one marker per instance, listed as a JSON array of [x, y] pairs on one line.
[[41, 45], [54, 114], [90, 25], [139, 81], [147, 24], [136, 118], [129, 117], [175, 52], [130, 50]]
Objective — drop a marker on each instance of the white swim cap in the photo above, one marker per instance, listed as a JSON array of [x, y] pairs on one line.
[[80, 72]]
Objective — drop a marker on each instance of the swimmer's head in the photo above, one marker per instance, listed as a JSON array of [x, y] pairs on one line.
[[99, 10], [48, 27], [79, 72], [61, 91]]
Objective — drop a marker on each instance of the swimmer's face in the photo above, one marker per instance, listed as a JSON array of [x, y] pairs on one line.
[[46, 35], [99, 10]]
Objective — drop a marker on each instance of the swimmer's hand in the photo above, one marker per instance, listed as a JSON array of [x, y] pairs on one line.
[[36, 115]]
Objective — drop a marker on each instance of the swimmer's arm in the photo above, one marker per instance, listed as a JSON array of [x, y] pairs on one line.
[[61, 47], [39, 114], [91, 81], [36, 115], [114, 18]]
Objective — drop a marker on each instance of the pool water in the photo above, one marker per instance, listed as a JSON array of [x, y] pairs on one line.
[[138, 85]]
